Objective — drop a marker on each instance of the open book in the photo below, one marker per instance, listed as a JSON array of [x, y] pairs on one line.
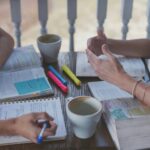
[[128, 123], [126, 118], [23, 76], [133, 66], [51, 105]]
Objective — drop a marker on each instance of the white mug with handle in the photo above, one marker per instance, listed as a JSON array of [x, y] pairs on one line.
[[84, 112]]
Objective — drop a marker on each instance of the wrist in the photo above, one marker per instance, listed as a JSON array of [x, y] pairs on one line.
[[126, 82]]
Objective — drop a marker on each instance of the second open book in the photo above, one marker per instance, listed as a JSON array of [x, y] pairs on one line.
[[126, 118], [133, 66]]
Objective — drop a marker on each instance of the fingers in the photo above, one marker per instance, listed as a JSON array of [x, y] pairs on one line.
[[42, 116], [50, 131], [92, 58], [107, 52]]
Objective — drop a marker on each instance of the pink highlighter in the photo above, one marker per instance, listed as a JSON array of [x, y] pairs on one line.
[[58, 82]]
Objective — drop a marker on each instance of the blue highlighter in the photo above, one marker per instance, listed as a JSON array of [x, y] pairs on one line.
[[55, 72]]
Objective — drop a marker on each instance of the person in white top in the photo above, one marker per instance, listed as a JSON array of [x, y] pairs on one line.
[[25, 125], [111, 70]]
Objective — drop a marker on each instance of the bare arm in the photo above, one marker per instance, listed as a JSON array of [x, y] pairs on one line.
[[132, 48], [7, 127], [27, 126], [6, 46]]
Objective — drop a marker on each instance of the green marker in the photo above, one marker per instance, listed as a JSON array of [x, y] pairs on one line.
[[71, 75]]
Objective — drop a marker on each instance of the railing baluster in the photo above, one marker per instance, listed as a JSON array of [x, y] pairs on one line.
[[72, 15], [43, 15], [101, 12], [148, 20], [16, 19], [126, 16]]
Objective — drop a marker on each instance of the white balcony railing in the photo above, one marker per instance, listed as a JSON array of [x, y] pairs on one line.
[[126, 14]]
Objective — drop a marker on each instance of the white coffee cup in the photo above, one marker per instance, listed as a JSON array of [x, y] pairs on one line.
[[84, 112], [49, 46]]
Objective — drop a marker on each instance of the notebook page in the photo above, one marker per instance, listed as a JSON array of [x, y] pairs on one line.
[[104, 91], [51, 106], [22, 58], [133, 66], [29, 82]]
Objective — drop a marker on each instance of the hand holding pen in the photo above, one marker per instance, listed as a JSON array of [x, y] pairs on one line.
[[28, 126]]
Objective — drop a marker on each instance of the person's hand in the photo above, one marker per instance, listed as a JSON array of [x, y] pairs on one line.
[[109, 69], [28, 127], [95, 43]]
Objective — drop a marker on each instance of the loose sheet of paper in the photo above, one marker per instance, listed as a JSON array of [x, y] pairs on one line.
[[133, 66], [51, 106], [104, 91]]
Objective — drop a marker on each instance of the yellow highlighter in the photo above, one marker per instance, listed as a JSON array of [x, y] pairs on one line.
[[71, 75]]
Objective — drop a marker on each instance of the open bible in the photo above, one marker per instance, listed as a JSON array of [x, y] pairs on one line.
[[23, 75]]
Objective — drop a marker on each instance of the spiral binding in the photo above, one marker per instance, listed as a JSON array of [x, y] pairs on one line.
[[27, 100]]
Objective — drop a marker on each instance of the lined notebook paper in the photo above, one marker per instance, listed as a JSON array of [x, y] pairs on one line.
[[133, 66], [15, 109], [104, 91]]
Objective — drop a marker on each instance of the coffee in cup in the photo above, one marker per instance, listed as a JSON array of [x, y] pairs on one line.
[[84, 112], [49, 46]]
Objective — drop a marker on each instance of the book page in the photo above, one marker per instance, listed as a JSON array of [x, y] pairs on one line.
[[29, 82], [133, 66], [22, 58], [127, 108], [51, 106], [104, 91]]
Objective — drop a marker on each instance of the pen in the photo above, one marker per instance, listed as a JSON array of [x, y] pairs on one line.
[[40, 136], [55, 72], [58, 82], [70, 74]]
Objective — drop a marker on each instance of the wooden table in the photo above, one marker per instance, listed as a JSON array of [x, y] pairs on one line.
[[101, 139]]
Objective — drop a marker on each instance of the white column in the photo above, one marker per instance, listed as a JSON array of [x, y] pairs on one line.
[[16, 19], [72, 15], [126, 16], [101, 12], [43, 15], [148, 19]]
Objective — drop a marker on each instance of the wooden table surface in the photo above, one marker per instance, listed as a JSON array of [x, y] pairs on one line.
[[101, 139]]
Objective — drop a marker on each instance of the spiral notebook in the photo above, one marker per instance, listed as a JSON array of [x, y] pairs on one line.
[[14, 109]]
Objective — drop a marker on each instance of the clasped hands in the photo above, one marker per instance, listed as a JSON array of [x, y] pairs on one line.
[[109, 69]]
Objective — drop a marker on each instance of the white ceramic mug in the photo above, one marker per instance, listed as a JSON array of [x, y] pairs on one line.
[[84, 112], [49, 46]]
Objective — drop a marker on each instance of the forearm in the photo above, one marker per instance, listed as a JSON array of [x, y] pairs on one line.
[[127, 83], [132, 48], [7, 127], [6, 46]]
